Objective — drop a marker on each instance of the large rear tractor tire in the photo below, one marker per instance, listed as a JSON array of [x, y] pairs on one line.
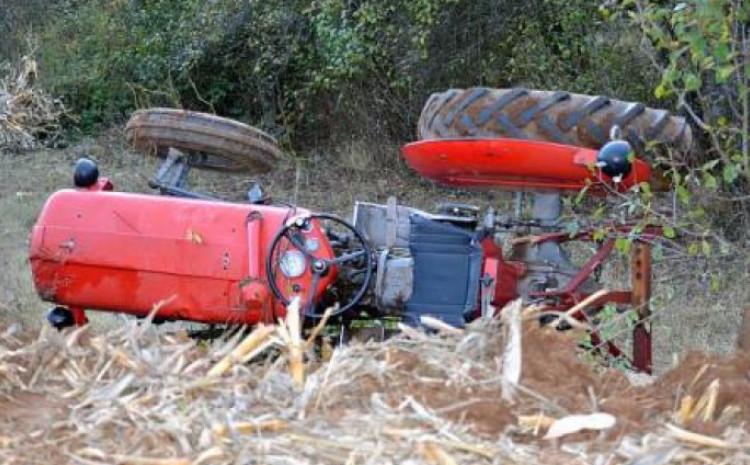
[[562, 117], [212, 142]]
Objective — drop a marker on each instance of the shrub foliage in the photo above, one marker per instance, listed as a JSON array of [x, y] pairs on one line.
[[312, 70]]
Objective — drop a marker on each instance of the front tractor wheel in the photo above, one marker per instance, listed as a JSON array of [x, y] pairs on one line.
[[210, 142]]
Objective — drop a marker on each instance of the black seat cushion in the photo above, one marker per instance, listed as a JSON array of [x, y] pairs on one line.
[[447, 269]]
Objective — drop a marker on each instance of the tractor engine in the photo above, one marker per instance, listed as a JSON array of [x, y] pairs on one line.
[[426, 263], [451, 264]]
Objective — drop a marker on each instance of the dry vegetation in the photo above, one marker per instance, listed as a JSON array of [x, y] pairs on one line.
[[28, 115], [137, 395]]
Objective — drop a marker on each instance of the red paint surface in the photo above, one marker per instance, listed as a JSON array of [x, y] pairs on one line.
[[128, 252], [514, 165]]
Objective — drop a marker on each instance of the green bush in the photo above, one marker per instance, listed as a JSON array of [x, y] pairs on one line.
[[310, 71], [701, 50], [19, 19]]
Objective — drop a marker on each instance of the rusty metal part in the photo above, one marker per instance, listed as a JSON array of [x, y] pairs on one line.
[[212, 142], [640, 275], [562, 117]]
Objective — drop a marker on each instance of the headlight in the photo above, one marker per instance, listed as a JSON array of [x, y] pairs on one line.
[[292, 264]]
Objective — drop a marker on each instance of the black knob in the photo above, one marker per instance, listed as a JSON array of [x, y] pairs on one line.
[[86, 173], [60, 318], [615, 158]]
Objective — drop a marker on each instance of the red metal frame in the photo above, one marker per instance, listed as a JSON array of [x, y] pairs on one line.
[[516, 165], [506, 274], [637, 297]]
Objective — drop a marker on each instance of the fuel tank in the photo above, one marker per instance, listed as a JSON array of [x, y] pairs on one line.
[[191, 259]]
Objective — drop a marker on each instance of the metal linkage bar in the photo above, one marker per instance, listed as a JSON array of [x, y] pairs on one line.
[[171, 178], [640, 276]]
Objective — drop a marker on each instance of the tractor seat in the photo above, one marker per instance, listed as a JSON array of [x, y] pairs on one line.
[[447, 270]]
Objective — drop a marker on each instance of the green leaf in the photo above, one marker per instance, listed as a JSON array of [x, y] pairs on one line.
[[730, 173], [683, 194], [722, 52], [660, 91], [668, 231], [692, 82], [710, 165], [622, 245], [658, 253], [697, 212], [710, 181], [693, 248], [724, 73], [671, 75], [572, 228], [706, 248]]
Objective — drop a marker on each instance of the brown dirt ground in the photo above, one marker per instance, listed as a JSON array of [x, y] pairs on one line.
[[562, 382], [552, 370]]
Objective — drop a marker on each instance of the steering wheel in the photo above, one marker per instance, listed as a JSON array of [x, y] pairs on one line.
[[352, 257]]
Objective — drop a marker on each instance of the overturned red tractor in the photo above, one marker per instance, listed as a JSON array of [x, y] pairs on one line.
[[188, 256]]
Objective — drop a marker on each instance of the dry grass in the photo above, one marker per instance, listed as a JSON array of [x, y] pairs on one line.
[[136, 395]]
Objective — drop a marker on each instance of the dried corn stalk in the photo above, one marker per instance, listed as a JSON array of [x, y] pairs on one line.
[[28, 115], [140, 394]]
